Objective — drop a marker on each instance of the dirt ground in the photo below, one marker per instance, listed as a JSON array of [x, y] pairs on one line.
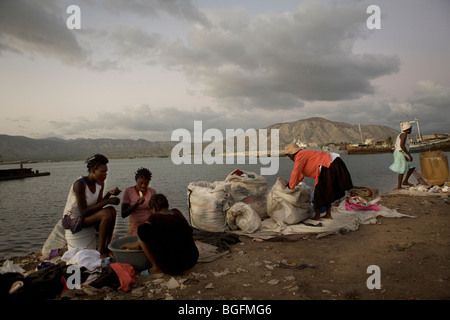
[[413, 256]]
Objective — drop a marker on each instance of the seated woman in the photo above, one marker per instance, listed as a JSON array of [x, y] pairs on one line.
[[166, 240], [135, 200], [85, 209]]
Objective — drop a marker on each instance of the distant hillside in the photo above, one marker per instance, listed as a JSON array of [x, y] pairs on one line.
[[14, 148], [322, 131], [313, 130]]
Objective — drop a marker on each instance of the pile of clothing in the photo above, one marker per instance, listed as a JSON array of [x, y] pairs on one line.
[[362, 198], [52, 279]]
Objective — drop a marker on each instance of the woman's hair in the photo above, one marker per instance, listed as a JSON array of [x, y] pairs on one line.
[[158, 202], [96, 160], [143, 173]]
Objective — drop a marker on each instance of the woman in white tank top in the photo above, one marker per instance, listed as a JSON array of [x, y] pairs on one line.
[[402, 158], [86, 209]]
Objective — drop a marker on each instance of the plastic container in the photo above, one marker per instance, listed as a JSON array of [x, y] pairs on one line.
[[136, 258], [434, 166]]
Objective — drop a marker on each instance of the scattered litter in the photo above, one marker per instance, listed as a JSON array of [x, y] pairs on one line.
[[273, 282], [9, 266], [223, 273], [168, 296], [293, 265], [403, 246], [138, 292], [172, 284]]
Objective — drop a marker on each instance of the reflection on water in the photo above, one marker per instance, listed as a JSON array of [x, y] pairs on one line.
[[29, 208]]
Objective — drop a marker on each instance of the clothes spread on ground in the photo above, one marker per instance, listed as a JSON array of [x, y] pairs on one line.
[[126, 274], [169, 238], [90, 259], [219, 239], [362, 198]]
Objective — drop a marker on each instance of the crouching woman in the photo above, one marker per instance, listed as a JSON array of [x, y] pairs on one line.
[[166, 239]]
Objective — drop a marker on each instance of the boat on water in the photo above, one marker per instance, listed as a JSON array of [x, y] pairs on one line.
[[21, 173], [433, 143], [429, 142], [418, 144], [369, 148]]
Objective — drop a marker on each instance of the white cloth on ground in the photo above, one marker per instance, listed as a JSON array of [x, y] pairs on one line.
[[90, 259], [343, 221], [9, 266]]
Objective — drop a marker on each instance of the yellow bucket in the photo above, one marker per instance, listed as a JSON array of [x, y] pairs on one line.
[[434, 166]]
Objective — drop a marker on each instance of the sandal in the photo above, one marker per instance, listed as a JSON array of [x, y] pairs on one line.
[[146, 273]]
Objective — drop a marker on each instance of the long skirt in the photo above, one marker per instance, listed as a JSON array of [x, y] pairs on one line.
[[333, 182]]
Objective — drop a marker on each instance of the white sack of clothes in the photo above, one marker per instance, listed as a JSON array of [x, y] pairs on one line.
[[208, 203], [289, 206], [242, 216], [249, 188]]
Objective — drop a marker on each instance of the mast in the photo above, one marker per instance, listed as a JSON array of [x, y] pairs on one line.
[[359, 125], [418, 129]]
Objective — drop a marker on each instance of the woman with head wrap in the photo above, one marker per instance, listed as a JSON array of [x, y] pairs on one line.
[[402, 158], [331, 176]]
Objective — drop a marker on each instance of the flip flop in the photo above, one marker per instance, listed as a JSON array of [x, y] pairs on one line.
[[145, 273]]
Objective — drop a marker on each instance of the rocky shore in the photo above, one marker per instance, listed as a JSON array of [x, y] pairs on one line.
[[412, 256]]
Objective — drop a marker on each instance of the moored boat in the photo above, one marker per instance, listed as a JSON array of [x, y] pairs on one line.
[[20, 173]]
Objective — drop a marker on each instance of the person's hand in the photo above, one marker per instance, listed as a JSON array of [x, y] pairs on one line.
[[115, 192], [409, 157], [141, 200], [114, 200]]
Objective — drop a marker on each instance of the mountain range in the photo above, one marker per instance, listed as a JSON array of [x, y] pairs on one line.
[[321, 131], [313, 130]]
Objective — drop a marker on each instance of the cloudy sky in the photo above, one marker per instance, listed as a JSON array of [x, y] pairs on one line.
[[143, 68]]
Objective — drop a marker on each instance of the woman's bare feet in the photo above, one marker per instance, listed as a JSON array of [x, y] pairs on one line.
[[107, 254]]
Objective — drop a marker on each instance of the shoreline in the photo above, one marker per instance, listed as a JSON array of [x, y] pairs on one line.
[[412, 253]]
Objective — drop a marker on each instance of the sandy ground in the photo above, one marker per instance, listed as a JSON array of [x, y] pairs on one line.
[[413, 256]]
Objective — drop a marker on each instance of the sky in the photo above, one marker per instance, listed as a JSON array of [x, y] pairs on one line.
[[140, 69]]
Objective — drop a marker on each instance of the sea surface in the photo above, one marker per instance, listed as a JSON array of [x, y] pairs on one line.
[[30, 208]]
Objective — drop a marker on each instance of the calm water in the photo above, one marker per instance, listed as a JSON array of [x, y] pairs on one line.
[[29, 208]]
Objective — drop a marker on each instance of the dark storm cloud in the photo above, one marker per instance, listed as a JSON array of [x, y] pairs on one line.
[[33, 27], [278, 60]]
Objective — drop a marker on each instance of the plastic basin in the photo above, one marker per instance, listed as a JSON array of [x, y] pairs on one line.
[[136, 258]]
